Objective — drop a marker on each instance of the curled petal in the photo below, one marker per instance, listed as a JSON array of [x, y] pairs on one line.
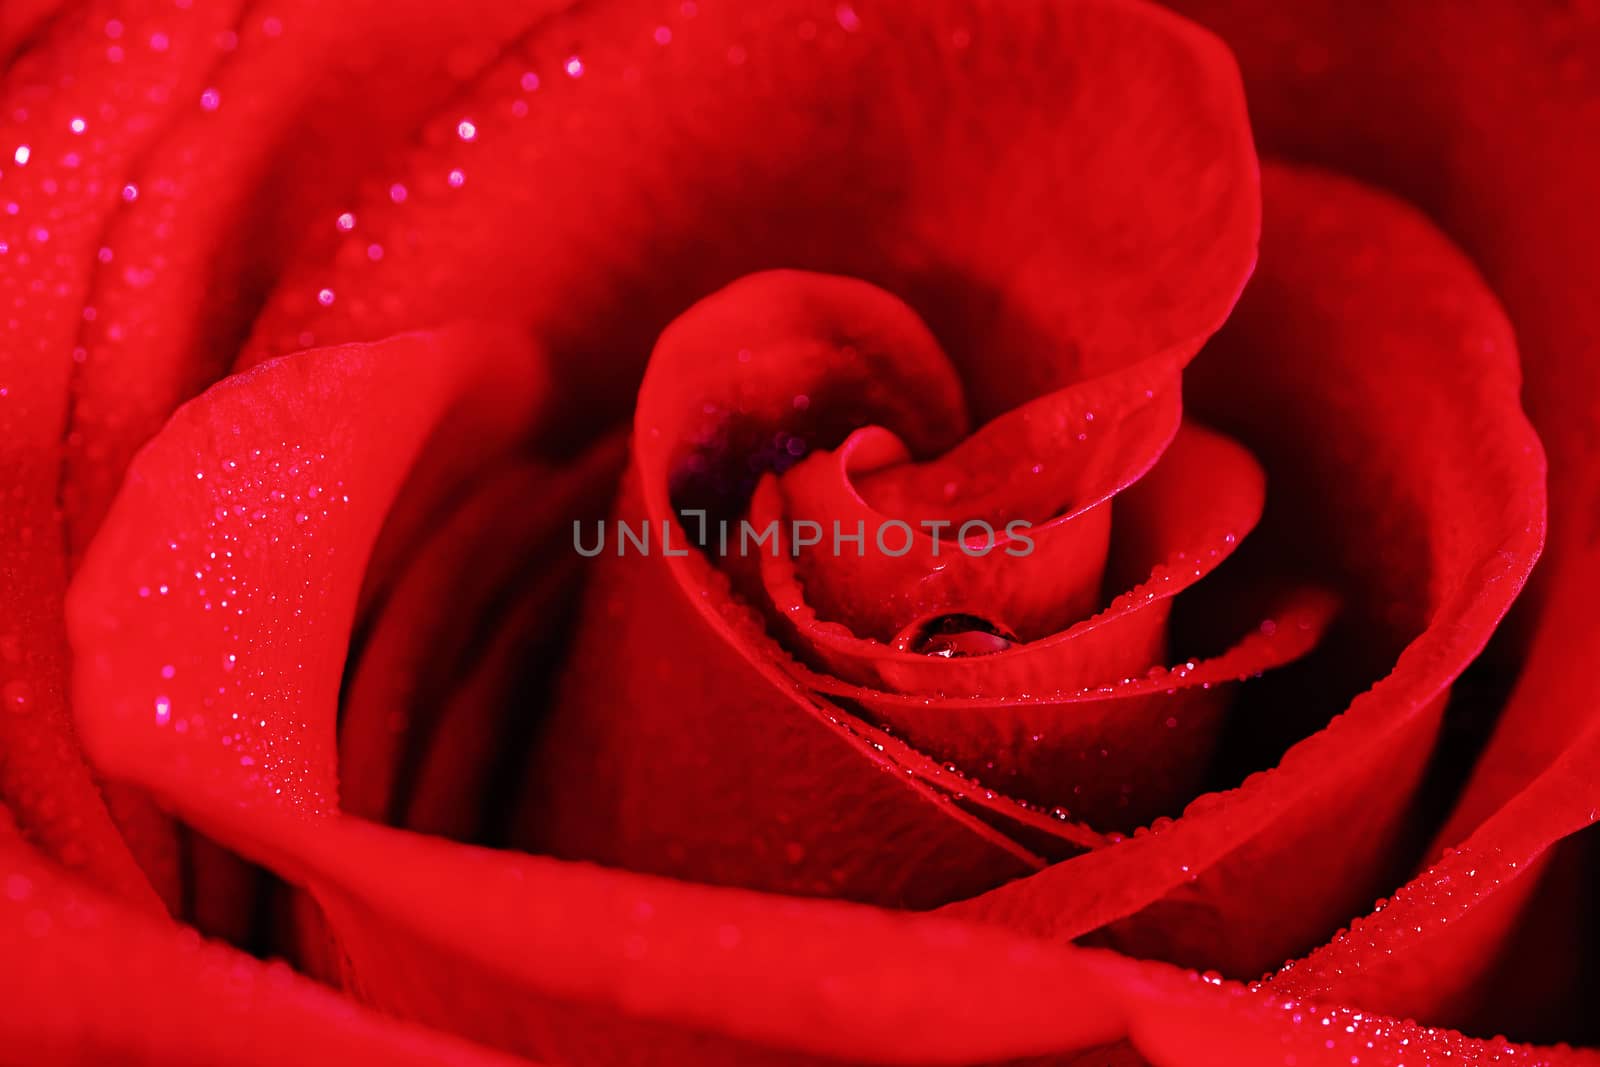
[[222, 583]]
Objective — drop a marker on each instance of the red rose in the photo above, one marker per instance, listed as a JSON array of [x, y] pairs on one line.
[[718, 532]]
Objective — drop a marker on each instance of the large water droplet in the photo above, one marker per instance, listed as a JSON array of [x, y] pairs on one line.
[[955, 634]]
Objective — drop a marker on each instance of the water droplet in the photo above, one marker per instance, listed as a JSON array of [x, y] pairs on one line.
[[955, 635], [16, 696]]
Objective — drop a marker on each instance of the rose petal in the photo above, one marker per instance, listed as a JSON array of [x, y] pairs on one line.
[[219, 567], [684, 149], [674, 747], [458, 790], [451, 593], [1115, 756], [92, 980], [1051, 326], [1446, 945], [62, 163], [20, 21], [780, 363], [586, 965], [1396, 424], [1036, 588], [1048, 720], [1416, 121], [258, 161], [1351, 91], [620, 775], [1173, 527]]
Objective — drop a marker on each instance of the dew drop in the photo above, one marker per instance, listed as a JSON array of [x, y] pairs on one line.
[[16, 697], [955, 635]]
